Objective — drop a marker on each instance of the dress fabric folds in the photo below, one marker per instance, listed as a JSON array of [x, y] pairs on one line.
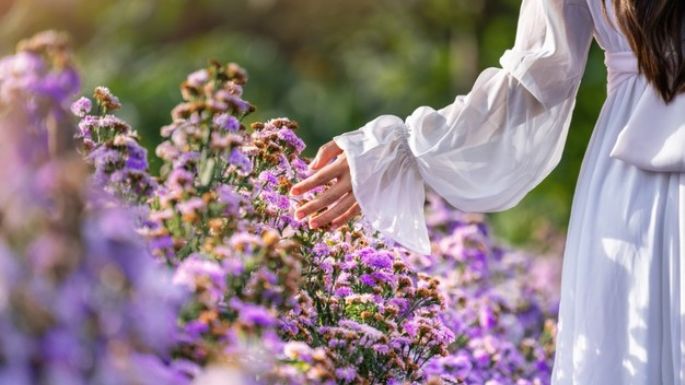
[[622, 310]]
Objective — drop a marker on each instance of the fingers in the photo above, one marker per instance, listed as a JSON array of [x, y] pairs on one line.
[[333, 212], [326, 198], [326, 152], [322, 176], [350, 213]]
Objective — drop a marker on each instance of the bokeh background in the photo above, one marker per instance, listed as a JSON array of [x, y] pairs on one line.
[[332, 65]]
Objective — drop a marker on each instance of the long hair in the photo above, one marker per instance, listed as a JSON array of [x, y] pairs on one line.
[[654, 29]]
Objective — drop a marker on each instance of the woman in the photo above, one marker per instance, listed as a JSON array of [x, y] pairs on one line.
[[622, 310]]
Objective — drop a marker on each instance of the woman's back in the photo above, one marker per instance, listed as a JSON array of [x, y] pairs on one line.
[[654, 136], [606, 31]]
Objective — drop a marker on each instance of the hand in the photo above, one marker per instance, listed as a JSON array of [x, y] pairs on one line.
[[339, 201]]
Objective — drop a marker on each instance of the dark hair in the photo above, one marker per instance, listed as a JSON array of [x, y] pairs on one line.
[[654, 29]]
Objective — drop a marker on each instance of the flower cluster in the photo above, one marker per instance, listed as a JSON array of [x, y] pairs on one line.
[[35, 84], [40, 75], [377, 318], [81, 299], [119, 161], [504, 333], [223, 216], [294, 305]]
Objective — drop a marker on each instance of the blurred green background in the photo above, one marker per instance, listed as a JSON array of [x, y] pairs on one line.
[[332, 65]]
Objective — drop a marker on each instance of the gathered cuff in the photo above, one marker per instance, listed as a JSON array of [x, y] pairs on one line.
[[386, 181]]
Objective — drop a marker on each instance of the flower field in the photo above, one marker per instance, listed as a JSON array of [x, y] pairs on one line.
[[202, 275]]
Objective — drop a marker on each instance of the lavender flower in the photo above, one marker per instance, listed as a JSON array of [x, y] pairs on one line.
[[227, 122], [111, 146], [337, 307], [82, 300], [81, 107], [199, 274]]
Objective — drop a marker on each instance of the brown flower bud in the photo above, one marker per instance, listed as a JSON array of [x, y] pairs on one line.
[[236, 73], [216, 225], [392, 310], [399, 266], [434, 381], [208, 316], [424, 292], [404, 282], [188, 92], [208, 245], [270, 238], [105, 97], [190, 217]]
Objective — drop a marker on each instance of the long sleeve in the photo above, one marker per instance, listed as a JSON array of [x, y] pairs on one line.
[[490, 147]]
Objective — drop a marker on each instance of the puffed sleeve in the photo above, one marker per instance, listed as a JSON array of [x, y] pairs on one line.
[[490, 147]]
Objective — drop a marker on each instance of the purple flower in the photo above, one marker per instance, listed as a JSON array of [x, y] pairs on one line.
[[253, 315], [367, 280], [376, 258], [58, 85], [301, 167], [296, 350], [411, 327], [197, 273], [241, 161], [268, 177], [288, 136], [180, 179], [87, 125], [186, 160], [137, 157], [191, 206], [195, 328], [227, 122], [277, 200], [383, 277], [343, 291], [198, 78], [115, 124], [401, 303], [321, 249], [166, 151], [347, 374], [81, 107], [229, 197], [239, 105], [69, 250], [162, 242]]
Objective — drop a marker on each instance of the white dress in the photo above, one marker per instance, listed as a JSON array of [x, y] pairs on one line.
[[622, 310]]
